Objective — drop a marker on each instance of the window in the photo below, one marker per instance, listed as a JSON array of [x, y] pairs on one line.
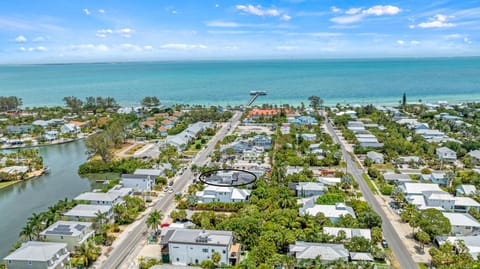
[[213, 250], [61, 237], [29, 262], [205, 250], [178, 259], [224, 251]]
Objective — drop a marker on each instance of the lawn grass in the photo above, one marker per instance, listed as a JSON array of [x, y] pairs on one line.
[[8, 183], [369, 183]]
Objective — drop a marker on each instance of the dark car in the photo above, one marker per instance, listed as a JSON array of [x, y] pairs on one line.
[[384, 243]]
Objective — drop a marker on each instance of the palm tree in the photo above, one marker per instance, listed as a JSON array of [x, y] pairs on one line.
[[35, 221], [27, 232], [154, 220], [87, 252]]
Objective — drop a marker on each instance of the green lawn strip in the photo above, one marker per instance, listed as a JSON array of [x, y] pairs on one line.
[[369, 183], [8, 183]]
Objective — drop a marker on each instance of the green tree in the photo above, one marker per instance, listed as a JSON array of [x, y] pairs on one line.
[[434, 223], [216, 257], [377, 234], [74, 103], [154, 219], [423, 238], [101, 145], [207, 264], [315, 101], [150, 101], [27, 232]]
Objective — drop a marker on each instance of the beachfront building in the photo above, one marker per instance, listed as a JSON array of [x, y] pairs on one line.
[[89, 213], [446, 154], [50, 136], [39, 255], [138, 183], [222, 194], [73, 233], [19, 129], [462, 224], [69, 128], [190, 246], [181, 140], [327, 252]]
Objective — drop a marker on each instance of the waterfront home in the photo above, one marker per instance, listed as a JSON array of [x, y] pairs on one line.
[[100, 198], [19, 129], [41, 123], [73, 233], [153, 172], [446, 154], [139, 183], [327, 252], [462, 223], [14, 169], [190, 246], [50, 136], [465, 190], [375, 157], [349, 232], [39, 255], [307, 189], [69, 128], [222, 194], [89, 213], [333, 212]]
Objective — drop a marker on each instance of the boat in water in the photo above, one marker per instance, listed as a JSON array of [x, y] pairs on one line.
[[258, 93]]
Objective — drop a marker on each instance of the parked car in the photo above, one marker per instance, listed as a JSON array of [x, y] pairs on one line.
[[384, 243]]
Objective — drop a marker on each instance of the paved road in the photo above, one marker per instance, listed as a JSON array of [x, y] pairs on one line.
[[395, 243], [120, 253]]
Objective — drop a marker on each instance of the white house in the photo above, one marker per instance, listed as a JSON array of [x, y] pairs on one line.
[[222, 194], [50, 135], [309, 137], [69, 128], [333, 212], [349, 232], [475, 154], [332, 181], [154, 172], [435, 177], [181, 140], [446, 154], [307, 189], [438, 199], [462, 224], [39, 255], [138, 183], [465, 190], [472, 243], [463, 204], [412, 188], [327, 252], [189, 246], [397, 178], [375, 157], [73, 233], [100, 198], [89, 213]]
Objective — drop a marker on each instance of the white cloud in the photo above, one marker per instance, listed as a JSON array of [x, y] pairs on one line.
[[182, 46], [382, 10], [37, 49], [285, 17], [147, 47], [226, 24], [258, 10], [125, 32], [286, 48], [400, 42], [437, 21], [414, 42], [353, 11], [101, 11], [217, 5], [127, 46], [38, 39], [453, 36], [22, 49], [467, 40], [20, 39], [86, 11], [335, 9], [358, 14]]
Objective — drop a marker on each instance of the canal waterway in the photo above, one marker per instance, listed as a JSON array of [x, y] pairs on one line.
[[19, 201]]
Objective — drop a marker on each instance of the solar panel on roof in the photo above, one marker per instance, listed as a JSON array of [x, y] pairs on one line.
[[63, 225], [79, 227]]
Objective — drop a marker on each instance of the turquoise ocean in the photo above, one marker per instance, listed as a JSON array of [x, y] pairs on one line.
[[359, 81]]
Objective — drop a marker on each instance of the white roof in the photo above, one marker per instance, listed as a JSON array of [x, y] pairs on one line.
[[150, 172], [36, 251], [466, 201], [329, 180], [374, 155], [445, 150], [327, 252], [419, 188], [461, 219], [240, 194], [438, 195], [204, 237], [89, 211], [349, 232], [467, 189], [310, 186], [330, 211], [69, 228], [14, 169], [361, 256], [97, 196], [475, 154]]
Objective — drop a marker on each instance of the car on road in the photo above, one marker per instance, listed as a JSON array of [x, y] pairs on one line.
[[384, 243], [170, 190]]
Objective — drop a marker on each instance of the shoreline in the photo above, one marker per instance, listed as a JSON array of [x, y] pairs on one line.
[[42, 145]]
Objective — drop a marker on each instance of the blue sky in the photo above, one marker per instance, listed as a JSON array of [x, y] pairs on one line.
[[114, 30]]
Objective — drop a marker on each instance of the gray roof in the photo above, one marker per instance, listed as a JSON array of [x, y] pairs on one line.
[[149, 172], [97, 196], [69, 228], [89, 211], [361, 256], [327, 252], [396, 177], [201, 237], [36, 251], [134, 176], [475, 154]]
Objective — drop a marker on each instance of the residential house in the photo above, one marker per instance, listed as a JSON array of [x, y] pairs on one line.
[[162, 130], [139, 183], [50, 136], [39, 255], [408, 159], [397, 178], [375, 157], [333, 212], [73, 233], [475, 154], [309, 137], [69, 128], [446, 154], [413, 188], [356, 126], [464, 204], [222, 194], [41, 123], [305, 120], [462, 224], [472, 243], [361, 257], [349, 232], [368, 141], [466, 190], [430, 134], [307, 189], [100, 198], [351, 113], [285, 128], [439, 199], [190, 246], [262, 141], [331, 181], [327, 252], [266, 113], [435, 177], [181, 140], [154, 172], [19, 129], [89, 213]]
